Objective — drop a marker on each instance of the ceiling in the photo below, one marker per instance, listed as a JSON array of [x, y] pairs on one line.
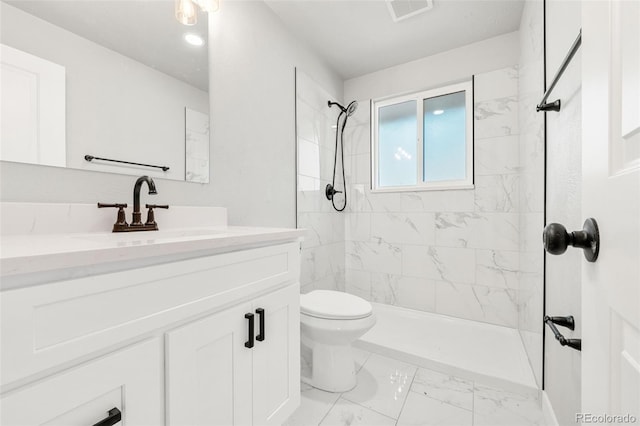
[[145, 31], [355, 37], [359, 37]]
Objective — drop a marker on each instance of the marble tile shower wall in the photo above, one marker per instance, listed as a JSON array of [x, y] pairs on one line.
[[449, 252], [531, 84], [323, 256]]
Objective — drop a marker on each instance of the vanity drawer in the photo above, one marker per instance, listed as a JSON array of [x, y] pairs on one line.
[[48, 325], [130, 380]]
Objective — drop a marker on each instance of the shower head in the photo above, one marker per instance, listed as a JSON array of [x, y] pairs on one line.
[[349, 110]]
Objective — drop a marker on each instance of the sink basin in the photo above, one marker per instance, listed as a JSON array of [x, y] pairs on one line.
[[172, 234]]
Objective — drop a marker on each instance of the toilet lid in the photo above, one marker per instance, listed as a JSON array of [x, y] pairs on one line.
[[334, 305]]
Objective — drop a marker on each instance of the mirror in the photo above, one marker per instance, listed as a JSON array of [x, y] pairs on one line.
[[85, 82]]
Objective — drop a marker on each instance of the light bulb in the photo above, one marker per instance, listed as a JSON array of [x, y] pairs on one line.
[[186, 12], [208, 5]]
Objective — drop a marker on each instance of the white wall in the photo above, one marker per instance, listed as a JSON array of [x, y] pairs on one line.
[[456, 64], [564, 205], [253, 110], [252, 59], [116, 107]]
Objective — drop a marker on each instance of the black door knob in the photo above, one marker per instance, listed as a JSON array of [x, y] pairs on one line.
[[556, 239]]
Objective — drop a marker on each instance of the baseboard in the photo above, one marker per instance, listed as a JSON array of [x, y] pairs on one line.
[[547, 410]]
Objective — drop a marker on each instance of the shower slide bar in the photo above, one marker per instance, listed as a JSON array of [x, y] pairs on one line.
[[91, 158], [555, 105], [563, 322]]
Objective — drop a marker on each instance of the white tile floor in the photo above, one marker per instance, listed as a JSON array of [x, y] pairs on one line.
[[392, 392]]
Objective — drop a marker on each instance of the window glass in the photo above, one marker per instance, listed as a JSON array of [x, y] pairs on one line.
[[444, 138], [397, 157]]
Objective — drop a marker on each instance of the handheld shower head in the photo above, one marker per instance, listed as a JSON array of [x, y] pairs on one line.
[[351, 108]]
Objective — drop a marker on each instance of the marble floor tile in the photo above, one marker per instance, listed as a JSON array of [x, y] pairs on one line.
[[314, 406], [444, 388], [392, 392], [383, 384], [422, 410], [494, 407], [346, 413]]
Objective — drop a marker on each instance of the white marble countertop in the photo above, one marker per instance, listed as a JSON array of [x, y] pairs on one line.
[[33, 253], [43, 242]]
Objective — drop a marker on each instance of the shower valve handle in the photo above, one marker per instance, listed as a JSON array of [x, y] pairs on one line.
[[330, 191]]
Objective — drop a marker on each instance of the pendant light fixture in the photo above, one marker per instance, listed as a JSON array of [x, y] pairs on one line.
[[187, 10]]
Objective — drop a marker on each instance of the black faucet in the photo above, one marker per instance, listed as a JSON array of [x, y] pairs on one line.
[[137, 216], [121, 224]]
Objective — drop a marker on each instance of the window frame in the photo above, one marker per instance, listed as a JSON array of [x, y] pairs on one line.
[[468, 183]]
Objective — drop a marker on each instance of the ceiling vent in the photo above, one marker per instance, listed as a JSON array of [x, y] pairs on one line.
[[403, 9]]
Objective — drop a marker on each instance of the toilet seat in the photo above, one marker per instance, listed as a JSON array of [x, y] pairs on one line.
[[336, 305]]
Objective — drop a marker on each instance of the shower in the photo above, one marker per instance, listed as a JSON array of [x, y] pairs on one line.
[[330, 190]]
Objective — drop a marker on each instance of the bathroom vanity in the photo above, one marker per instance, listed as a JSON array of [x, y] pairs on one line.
[[181, 326]]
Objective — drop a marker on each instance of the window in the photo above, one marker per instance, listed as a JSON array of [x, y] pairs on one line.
[[424, 140]]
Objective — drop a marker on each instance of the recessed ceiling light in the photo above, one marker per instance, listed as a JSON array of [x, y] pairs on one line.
[[194, 39], [438, 112]]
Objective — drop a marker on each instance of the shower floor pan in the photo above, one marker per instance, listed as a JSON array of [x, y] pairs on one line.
[[478, 351]]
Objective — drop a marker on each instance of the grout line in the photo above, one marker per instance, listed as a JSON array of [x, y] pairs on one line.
[[407, 394], [330, 408], [473, 402]]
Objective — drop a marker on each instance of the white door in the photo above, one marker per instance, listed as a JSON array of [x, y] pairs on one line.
[[208, 370], [129, 380], [32, 109], [611, 195], [276, 359]]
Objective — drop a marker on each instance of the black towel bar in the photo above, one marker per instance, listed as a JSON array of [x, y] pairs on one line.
[[555, 105], [91, 158]]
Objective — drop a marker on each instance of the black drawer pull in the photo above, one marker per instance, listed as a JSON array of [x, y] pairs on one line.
[[114, 417], [249, 343], [260, 336]]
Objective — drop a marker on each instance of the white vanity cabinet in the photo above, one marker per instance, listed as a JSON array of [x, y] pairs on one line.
[[219, 373], [164, 343]]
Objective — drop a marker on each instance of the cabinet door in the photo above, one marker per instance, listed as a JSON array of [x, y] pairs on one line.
[[129, 380], [208, 371], [276, 359]]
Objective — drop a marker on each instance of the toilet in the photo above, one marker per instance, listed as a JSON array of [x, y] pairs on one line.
[[330, 321]]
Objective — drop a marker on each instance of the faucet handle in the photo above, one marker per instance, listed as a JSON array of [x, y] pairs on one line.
[[151, 218], [121, 222], [116, 205]]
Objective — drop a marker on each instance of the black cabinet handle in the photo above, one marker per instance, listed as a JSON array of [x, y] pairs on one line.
[[249, 343], [114, 417], [260, 336]]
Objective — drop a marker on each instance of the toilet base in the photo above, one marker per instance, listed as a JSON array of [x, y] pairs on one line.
[[333, 368]]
